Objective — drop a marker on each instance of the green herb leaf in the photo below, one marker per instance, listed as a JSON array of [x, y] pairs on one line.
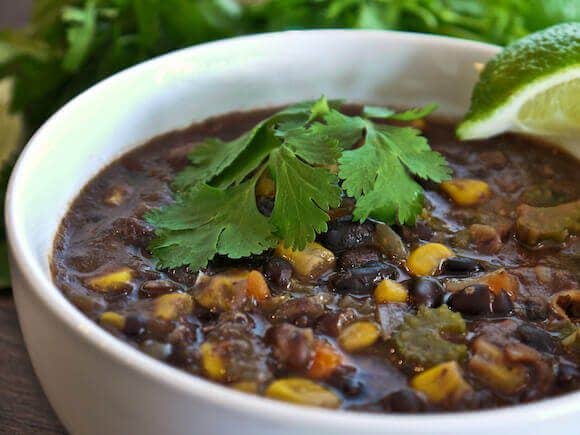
[[377, 112], [407, 115], [216, 212], [416, 113], [212, 157], [206, 221], [377, 173], [303, 194]]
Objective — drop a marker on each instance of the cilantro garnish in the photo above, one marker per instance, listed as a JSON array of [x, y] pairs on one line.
[[215, 210]]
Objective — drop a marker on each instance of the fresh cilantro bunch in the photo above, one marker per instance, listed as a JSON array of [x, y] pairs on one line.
[[72, 44], [215, 211]]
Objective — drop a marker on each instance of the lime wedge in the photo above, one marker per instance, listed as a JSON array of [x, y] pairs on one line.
[[533, 87]]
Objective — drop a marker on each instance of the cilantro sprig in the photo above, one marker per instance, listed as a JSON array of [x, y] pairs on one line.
[[215, 209]]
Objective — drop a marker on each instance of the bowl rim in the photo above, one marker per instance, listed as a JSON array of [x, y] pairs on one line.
[[221, 396]]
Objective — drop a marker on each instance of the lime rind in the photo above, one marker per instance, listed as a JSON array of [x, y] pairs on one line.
[[505, 117], [515, 76]]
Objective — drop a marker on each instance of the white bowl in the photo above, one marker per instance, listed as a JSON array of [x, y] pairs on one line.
[[96, 383]]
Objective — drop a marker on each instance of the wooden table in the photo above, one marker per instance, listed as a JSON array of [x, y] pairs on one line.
[[23, 406]]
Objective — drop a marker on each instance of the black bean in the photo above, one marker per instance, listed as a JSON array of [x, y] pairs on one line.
[[363, 279], [157, 287], [183, 275], [461, 266], [298, 310], [357, 258], [404, 402], [332, 323], [568, 375], [134, 325], [426, 291], [345, 379], [537, 338], [347, 235], [291, 346], [502, 303], [278, 272], [475, 300], [537, 308]]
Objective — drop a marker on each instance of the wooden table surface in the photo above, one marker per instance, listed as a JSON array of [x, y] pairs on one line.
[[24, 408]]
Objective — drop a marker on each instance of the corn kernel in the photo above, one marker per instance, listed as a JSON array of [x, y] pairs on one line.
[[466, 192], [224, 292], [390, 291], [212, 363], [265, 186], [173, 305], [111, 282], [325, 361], [113, 319], [302, 392], [444, 382], [246, 387], [311, 262], [359, 336], [117, 195], [426, 259], [257, 286]]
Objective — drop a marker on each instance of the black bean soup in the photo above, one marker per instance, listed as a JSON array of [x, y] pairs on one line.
[[476, 306]]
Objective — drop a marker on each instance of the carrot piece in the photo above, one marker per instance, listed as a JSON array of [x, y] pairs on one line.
[[257, 286], [326, 359]]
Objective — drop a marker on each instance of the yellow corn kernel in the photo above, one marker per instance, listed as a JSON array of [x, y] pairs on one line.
[[246, 387], [302, 392], [257, 286], [212, 363], [426, 259], [171, 306], [390, 291], [223, 292], [116, 196], [466, 192], [444, 382], [113, 319], [358, 336], [111, 282], [265, 185], [311, 262]]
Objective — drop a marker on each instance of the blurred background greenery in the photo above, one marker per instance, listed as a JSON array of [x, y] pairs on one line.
[[69, 45]]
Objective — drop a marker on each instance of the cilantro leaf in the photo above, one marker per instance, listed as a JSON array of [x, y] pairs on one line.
[[212, 156], [321, 142], [377, 173], [216, 212], [414, 151], [206, 221], [416, 113], [235, 159], [408, 115], [377, 112], [303, 195]]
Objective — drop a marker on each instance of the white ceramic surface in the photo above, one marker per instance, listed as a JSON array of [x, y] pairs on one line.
[[99, 385]]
